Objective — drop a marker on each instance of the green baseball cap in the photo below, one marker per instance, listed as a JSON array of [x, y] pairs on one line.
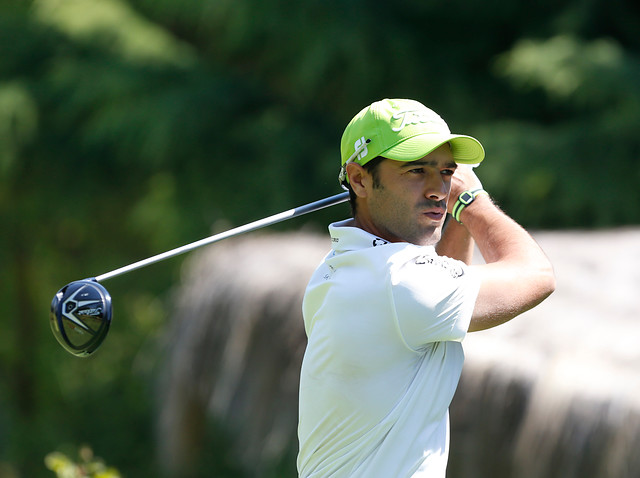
[[403, 130]]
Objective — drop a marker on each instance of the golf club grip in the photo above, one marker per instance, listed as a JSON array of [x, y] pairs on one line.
[[252, 226]]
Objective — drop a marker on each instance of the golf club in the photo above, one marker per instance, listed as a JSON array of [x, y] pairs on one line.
[[81, 311]]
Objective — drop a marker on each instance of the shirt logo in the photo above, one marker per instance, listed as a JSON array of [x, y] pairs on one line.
[[379, 242], [328, 275], [452, 267]]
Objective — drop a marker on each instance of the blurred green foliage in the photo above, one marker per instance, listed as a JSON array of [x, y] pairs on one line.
[[87, 466], [131, 127]]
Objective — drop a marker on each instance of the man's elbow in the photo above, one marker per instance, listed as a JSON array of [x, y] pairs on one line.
[[546, 282], [550, 279]]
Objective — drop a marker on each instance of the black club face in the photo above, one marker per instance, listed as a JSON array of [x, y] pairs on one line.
[[80, 316]]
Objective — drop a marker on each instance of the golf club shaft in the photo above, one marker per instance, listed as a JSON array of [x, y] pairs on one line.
[[252, 226]]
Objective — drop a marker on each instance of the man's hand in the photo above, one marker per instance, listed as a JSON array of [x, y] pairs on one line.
[[463, 179], [456, 242]]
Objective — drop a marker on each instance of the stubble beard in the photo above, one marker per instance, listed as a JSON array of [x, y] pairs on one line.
[[392, 219]]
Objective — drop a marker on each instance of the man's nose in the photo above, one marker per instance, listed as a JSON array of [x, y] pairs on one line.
[[436, 189]]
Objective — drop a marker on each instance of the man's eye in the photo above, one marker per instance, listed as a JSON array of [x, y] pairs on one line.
[[416, 171], [448, 172]]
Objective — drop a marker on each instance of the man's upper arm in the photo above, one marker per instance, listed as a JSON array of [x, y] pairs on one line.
[[434, 299], [506, 291]]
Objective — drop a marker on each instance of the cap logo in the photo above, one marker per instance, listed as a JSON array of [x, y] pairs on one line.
[[358, 144], [409, 117]]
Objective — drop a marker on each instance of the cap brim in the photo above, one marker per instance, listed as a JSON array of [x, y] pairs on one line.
[[465, 149]]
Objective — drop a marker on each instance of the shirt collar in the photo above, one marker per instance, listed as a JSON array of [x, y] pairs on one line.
[[346, 236]]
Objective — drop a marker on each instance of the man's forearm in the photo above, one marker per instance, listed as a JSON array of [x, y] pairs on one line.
[[456, 242], [518, 275]]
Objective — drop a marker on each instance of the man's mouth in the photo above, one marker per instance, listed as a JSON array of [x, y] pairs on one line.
[[435, 214], [434, 210]]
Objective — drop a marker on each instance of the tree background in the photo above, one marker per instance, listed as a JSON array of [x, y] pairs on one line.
[[129, 127]]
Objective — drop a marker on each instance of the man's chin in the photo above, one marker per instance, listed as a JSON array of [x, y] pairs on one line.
[[428, 237]]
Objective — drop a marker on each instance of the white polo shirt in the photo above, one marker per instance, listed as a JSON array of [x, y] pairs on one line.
[[384, 323]]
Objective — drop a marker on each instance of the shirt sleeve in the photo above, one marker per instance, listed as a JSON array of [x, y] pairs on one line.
[[433, 297]]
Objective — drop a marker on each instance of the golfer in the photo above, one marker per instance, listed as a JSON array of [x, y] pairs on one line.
[[386, 311]]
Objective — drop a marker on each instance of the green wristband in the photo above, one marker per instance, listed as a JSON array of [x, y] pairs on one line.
[[465, 198]]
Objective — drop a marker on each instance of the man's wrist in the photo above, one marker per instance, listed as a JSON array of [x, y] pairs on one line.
[[465, 199]]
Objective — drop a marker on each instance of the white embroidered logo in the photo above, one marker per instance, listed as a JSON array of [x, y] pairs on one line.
[[449, 265], [408, 117], [359, 144]]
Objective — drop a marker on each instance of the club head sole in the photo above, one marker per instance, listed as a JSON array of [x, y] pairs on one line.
[[80, 316]]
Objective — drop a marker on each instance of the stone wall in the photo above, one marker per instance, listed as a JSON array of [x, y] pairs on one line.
[[553, 393]]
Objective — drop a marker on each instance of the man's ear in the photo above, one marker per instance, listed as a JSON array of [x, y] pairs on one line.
[[359, 179]]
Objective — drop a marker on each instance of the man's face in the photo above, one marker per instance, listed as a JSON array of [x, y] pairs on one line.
[[408, 203]]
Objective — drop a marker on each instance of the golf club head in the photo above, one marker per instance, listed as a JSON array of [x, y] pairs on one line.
[[80, 316]]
